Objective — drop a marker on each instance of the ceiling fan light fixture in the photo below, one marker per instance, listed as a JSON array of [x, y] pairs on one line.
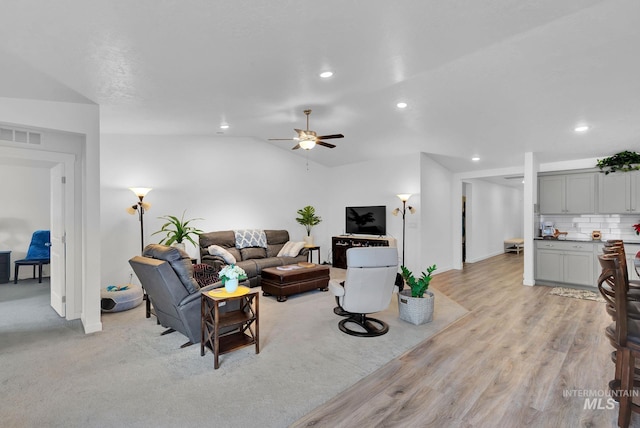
[[307, 144], [326, 74]]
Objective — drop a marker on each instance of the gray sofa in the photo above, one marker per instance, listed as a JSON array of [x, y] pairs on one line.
[[252, 259], [166, 274]]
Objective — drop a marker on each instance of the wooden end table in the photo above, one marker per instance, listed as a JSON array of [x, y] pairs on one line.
[[231, 330]]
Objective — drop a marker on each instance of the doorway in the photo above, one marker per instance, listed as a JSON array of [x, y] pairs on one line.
[[61, 167]]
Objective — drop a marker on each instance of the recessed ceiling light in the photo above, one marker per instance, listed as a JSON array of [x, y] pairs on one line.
[[224, 126], [401, 105], [326, 74], [475, 158], [581, 128]]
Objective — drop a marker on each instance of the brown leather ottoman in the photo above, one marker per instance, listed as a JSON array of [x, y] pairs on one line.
[[292, 279]]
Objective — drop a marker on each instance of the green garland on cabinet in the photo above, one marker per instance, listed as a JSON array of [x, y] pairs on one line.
[[624, 161]]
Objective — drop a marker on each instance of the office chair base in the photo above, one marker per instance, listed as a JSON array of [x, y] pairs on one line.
[[341, 312], [371, 326]]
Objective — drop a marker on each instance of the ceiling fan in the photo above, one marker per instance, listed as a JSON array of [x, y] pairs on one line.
[[308, 139]]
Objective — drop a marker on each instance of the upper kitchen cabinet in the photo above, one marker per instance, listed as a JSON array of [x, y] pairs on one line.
[[619, 193], [567, 193]]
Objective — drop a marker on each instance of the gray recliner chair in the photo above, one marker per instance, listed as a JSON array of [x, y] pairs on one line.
[[368, 288], [166, 274]]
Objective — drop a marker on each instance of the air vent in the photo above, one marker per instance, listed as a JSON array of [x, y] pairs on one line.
[[20, 135]]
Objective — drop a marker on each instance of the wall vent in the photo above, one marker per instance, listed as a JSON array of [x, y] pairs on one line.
[[20, 135]]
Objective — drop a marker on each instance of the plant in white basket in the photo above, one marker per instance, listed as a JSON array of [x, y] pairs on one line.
[[231, 272], [413, 306], [418, 287]]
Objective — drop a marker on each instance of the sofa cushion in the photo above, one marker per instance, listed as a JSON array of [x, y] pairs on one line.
[[250, 238], [225, 239], [276, 237], [179, 260], [291, 249], [267, 263], [253, 253], [216, 250], [249, 267]]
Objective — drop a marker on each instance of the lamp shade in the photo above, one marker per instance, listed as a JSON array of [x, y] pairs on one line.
[[404, 197], [307, 144], [140, 192]]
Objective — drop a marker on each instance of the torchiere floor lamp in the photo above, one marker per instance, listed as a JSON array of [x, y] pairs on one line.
[[141, 207], [404, 197]]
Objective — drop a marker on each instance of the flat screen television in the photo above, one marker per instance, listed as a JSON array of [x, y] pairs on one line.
[[371, 220]]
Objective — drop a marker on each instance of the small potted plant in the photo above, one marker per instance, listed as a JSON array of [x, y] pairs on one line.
[[308, 218], [624, 161], [230, 275], [178, 230], [413, 306]]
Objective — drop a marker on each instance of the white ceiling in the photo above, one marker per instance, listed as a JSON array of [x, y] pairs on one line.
[[493, 78]]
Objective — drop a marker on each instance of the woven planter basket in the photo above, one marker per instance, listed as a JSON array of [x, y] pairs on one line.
[[416, 310]]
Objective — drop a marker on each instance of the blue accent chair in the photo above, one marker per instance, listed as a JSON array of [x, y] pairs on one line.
[[38, 254]]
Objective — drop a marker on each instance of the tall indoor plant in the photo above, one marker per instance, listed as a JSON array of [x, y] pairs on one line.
[[177, 230], [413, 306], [308, 218]]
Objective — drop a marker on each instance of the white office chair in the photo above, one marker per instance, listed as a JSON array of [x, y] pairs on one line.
[[368, 288]]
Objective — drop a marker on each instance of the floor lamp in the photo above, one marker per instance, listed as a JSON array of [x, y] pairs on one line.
[[140, 207], [404, 197]]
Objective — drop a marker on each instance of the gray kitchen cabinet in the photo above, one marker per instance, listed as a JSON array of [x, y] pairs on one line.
[[567, 193], [549, 265], [619, 193], [565, 262]]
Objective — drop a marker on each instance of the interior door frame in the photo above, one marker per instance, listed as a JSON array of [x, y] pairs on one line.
[[66, 204]]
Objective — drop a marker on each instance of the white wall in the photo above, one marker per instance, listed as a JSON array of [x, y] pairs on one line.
[[25, 208], [494, 213], [378, 183], [436, 215], [230, 183], [83, 121]]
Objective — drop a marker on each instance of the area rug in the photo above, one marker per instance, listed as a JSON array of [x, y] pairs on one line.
[[577, 294], [129, 375]]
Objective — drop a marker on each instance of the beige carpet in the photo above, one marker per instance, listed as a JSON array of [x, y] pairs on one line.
[[577, 294], [128, 375]]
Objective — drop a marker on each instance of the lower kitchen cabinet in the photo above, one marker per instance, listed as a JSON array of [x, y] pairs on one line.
[[565, 262]]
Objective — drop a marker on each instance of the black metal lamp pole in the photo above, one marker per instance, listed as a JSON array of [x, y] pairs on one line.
[[141, 207]]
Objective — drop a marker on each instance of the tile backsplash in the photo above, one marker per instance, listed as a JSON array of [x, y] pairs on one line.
[[612, 226]]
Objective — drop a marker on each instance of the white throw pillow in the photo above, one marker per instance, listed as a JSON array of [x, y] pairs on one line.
[[216, 250], [285, 249], [291, 249]]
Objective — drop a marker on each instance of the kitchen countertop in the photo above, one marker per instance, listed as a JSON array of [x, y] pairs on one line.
[[582, 240]]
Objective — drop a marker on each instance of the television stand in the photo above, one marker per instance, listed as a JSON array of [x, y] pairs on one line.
[[340, 245]]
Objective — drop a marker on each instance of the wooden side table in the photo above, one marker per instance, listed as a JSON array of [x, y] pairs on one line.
[[231, 330]]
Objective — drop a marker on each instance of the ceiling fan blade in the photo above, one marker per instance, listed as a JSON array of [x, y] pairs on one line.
[[329, 137], [296, 147], [322, 143], [281, 139]]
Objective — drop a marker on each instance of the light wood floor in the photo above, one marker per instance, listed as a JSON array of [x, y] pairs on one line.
[[505, 364]]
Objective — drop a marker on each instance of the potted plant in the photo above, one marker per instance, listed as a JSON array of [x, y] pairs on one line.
[[413, 306], [178, 230], [308, 218], [624, 161], [230, 275]]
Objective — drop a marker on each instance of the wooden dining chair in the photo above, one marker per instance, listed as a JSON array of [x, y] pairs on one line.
[[624, 336]]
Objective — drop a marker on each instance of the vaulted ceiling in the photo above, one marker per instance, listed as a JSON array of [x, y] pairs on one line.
[[492, 78]]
